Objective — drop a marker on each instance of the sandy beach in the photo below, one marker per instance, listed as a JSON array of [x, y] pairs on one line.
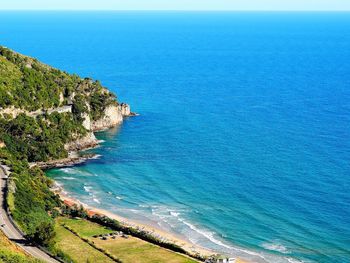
[[159, 233]]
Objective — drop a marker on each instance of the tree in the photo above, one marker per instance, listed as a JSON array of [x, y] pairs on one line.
[[44, 233]]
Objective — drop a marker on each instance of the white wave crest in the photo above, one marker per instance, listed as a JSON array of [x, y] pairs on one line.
[[210, 236], [276, 247], [88, 189], [96, 156], [207, 234], [68, 178], [175, 214], [293, 260], [67, 170]]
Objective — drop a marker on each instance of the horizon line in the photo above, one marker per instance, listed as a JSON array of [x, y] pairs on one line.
[[184, 10]]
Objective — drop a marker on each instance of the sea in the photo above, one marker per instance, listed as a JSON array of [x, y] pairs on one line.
[[242, 144]]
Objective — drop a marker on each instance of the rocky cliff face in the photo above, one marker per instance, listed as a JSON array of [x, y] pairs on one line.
[[125, 109], [87, 121], [112, 117], [87, 141]]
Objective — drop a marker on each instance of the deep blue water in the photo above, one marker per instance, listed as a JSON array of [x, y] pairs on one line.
[[243, 142]]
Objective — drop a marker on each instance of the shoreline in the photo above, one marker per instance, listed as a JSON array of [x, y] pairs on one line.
[[75, 158], [155, 231], [167, 236]]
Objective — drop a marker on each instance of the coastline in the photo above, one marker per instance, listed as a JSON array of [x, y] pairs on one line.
[[76, 157], [157, 232], [192, 249], [73, 158]]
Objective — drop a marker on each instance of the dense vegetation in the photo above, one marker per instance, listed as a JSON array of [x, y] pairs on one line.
[[41, 138], [30, 200], [11, 257], [29, 133], [28, 89], [27, 84]]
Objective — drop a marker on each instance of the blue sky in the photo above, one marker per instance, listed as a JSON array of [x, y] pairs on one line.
[[178, 4]]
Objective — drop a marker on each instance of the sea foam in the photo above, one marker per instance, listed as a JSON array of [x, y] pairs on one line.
[[275, 247]]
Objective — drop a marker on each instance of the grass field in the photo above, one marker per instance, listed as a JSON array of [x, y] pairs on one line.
[[84, 227], [9, 252], [137, 250], [77, 249], [5, 243], [129, 250]]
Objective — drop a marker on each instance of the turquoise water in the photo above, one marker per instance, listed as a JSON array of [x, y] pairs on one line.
[[243, 142]]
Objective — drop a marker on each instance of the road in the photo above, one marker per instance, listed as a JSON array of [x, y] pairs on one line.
[[7, 226]]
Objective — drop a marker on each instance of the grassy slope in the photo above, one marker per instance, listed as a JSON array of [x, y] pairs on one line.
[[84, 227], [5, 243], [128, 250], [10, 74], [9, 252], [76, 249]]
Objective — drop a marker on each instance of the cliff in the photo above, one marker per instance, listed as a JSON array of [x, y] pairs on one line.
[[46, 113], [112, 116], [88, 141]]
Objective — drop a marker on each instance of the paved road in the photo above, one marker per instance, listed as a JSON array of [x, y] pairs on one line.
[[11, 231]]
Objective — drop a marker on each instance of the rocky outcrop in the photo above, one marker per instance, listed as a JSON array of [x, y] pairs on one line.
[[125, 109], [88, 141], [61, 98], [12, 112], [112, 117], [87, 121], [69, 161]]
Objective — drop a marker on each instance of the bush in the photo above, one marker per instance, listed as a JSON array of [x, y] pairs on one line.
[[43, 233], [30, 200], [11, 257]]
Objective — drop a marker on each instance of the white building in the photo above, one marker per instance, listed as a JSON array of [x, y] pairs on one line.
[[226, 260]]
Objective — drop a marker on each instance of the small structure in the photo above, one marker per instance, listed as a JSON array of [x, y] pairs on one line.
[[225, 260]]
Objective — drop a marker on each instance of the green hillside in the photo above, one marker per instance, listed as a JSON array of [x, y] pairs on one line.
[[28, 86], [29, 132], [42, 110]]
